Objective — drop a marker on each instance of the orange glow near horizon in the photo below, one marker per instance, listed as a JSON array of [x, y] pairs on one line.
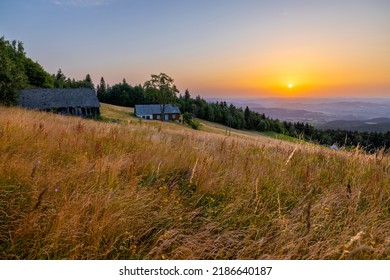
[[315, 60], [313, 68], [310, 75]]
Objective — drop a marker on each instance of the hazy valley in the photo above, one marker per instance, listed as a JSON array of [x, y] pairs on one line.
[[352, 114]]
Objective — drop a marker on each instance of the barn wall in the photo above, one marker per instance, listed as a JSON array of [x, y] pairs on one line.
[[76, 111], [171, 117]]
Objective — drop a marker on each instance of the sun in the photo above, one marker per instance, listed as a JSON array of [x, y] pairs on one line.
[[290, 85]]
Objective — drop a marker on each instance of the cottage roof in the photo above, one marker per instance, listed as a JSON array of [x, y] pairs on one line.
[[47, 98], [155, 109]]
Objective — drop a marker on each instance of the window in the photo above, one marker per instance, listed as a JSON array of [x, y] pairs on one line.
[[158, 117], [173, 117]]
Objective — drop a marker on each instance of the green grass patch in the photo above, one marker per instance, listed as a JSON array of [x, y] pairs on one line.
[[276, 135]]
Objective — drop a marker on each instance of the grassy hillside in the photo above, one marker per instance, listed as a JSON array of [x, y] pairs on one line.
[[121, 114], [117, 112], [73, 188]]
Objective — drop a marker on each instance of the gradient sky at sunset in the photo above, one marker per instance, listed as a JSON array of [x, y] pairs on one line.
[[215, 48]]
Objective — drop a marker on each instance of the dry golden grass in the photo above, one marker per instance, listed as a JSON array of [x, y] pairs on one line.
[[116, 112], [73, 188]]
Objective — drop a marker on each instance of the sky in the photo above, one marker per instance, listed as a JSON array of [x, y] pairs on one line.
[[215, 48]]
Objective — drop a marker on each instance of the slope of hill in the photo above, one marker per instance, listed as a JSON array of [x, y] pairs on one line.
[[117, 112], [74, 188]]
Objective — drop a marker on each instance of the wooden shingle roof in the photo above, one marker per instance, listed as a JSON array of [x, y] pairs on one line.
[[48, 98], [152, 109]]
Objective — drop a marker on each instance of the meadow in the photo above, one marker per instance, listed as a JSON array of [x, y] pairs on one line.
[[73, 188]]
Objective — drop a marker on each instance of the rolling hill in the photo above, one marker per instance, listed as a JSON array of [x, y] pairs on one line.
[[74, 188]]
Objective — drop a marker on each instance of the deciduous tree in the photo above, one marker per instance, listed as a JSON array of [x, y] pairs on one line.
[[164, 90]]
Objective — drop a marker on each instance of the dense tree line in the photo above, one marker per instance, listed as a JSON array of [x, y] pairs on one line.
[[61, 81], [370, 141], [122, 94]]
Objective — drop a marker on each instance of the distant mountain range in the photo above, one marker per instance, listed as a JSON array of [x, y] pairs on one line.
[[361, 114], [294, 115]]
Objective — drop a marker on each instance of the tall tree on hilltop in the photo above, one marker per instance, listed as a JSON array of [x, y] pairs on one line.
[[163, 89], [59, 80], [88, 82], [88, 78], [101, 90], [187, 101], [187, 95], [247, 116], [60, 75]]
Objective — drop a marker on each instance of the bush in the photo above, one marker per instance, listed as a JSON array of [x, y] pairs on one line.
[[195, 124], [188, 119]]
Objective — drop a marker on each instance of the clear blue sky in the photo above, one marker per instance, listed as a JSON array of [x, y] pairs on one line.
[[213, 47]]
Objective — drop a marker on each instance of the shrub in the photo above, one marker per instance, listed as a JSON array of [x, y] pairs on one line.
[[188, 119]]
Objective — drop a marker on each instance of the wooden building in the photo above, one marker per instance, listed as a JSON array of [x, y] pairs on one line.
[[153, 112], [78, 102]]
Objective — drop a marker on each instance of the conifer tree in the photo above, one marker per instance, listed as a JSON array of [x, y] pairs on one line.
[[101, 90], [88, 82]]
